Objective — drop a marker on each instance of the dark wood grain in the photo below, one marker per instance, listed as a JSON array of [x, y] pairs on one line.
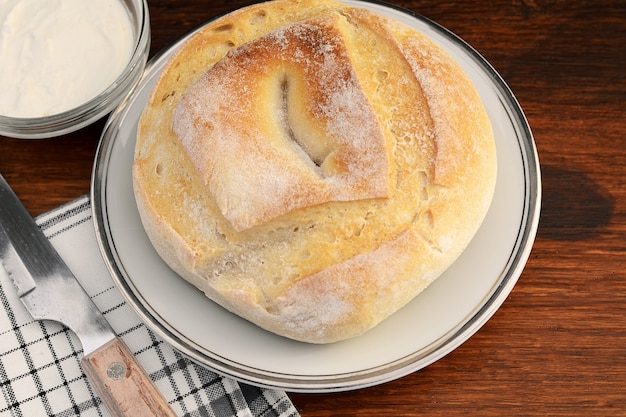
[[558, 345]]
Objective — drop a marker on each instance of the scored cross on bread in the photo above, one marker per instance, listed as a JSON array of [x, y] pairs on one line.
[[291, 114]]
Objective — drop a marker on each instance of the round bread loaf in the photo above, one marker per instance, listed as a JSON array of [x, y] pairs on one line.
[[312, 167]]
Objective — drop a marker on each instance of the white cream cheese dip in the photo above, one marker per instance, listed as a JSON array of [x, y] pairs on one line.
[[57, 54]]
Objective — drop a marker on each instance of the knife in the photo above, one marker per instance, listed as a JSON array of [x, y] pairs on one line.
[[49, 290]]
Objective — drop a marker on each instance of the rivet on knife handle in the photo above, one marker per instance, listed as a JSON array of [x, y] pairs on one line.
[[122, 384]]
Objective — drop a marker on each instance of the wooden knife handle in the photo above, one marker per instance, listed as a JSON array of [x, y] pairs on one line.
[[122, 384]]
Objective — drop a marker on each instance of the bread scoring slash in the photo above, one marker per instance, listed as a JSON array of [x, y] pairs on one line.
[[312, 167]]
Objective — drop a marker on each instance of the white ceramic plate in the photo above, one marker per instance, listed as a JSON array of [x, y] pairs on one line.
[[452, 309]]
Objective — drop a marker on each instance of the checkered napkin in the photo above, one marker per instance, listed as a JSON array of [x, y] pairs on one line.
[[40, 373]]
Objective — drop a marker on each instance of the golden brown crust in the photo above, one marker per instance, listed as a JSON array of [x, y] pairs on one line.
[[348, 252]]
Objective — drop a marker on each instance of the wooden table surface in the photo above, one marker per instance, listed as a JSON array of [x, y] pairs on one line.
[[558, 344]]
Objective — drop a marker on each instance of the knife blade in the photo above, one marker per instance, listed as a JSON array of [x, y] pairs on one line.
[[49, 291]]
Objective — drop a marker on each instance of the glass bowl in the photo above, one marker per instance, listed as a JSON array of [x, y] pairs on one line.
[[95, 108]]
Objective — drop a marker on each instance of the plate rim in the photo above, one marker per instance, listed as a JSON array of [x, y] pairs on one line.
[[379, 374]]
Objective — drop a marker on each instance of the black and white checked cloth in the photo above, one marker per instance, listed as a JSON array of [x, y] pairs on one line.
[[40, 373]]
